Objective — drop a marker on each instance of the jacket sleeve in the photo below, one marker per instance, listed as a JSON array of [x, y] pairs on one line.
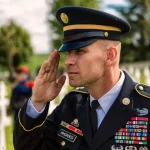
[[36, 134]]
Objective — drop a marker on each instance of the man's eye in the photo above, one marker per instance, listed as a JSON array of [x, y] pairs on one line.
[[79, 51]]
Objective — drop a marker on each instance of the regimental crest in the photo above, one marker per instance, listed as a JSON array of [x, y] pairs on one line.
[[64, 18], [75, 122], [130, 148], [143, 148], [119, 147]]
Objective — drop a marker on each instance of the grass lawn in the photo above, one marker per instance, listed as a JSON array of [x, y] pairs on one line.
[[9, 129], [9, 137], [36, 61]]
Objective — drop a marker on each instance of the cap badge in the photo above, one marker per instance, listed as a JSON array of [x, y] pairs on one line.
[[75, 122], [106, 34], [126, 101], [64, 18]]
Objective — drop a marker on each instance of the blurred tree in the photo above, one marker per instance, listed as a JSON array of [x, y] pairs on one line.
[[136, 44], [15, 46], [55, 27]]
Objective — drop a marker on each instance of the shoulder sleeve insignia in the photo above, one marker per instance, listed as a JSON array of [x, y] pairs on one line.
[[80, 90], [143, 90]]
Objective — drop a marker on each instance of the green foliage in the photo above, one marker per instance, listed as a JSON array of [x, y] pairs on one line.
[[15, 46], [136, 44], [55, 27]]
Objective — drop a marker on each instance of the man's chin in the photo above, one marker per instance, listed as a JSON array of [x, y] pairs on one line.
[[75, 84]]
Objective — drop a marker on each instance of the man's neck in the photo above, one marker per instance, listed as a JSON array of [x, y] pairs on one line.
[[104, 85]]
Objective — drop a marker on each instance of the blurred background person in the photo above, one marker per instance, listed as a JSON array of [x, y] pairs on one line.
[[22, 91]]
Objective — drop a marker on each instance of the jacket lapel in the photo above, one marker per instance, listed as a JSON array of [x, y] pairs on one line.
[[84, 120], [117, 116]]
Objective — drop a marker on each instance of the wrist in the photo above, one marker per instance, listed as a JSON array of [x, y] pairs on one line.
[[39, 105]]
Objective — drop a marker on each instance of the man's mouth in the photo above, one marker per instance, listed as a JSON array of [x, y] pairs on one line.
[[72, 73]]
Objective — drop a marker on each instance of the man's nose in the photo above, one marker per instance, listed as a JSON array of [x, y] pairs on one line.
[[69, 60]]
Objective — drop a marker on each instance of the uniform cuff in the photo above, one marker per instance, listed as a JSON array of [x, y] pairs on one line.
[[31, 110]]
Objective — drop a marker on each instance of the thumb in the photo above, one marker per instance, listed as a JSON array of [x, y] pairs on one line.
[[61, 81]]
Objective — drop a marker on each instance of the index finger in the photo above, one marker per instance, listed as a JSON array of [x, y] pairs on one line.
[[42, 69], [54, 53]]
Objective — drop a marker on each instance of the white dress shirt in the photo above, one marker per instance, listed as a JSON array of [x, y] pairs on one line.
[[105, 102], [108, 99]]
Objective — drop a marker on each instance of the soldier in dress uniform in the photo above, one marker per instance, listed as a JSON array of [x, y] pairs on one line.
[[106, 111], [22, 91]]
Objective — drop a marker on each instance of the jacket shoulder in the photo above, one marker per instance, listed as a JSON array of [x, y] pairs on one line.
[[143, 90], [82, 90]]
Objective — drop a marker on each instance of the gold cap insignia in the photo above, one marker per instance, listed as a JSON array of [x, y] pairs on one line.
[[64, 18], [126, 101], [75, 122], [106, 34]]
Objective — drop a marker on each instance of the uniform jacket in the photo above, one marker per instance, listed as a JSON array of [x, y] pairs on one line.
[[126, 126]]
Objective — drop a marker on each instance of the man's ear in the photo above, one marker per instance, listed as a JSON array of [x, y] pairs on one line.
[[111, 55]]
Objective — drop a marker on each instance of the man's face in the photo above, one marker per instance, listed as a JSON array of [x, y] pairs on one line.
[[86, 66]]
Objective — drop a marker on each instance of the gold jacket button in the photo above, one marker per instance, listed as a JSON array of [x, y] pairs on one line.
[[63, 143], [141, 88], [126, 101]]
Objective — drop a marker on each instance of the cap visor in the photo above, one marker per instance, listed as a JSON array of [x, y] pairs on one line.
[[76, 44]]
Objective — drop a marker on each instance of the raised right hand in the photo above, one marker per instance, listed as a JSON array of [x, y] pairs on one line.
[[46, 86]]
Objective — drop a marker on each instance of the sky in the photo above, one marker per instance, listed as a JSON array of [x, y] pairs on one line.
[[113, 2], [32, 15]]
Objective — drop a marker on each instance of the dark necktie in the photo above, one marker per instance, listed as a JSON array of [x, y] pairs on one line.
[[93, 116]]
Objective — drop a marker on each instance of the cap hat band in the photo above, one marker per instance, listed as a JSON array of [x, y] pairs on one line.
[[91, 26], [95, 34]]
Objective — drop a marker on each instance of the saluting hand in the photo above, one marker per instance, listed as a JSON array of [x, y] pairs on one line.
[[47, 86]]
